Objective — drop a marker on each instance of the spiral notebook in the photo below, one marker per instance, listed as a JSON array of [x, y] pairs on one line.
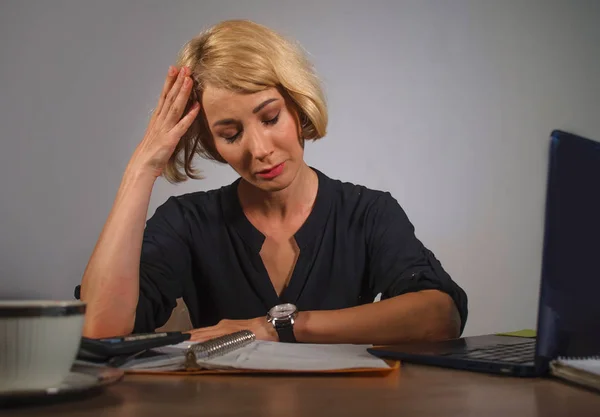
[[581, 371], [241, 352]]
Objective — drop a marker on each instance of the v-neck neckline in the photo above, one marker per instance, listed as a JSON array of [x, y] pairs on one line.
[[304, 236], [308, 230]]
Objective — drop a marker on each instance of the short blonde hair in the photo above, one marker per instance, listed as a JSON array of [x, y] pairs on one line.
[[245, 57]]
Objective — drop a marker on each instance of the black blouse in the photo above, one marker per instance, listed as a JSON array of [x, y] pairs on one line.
[[355, 244]]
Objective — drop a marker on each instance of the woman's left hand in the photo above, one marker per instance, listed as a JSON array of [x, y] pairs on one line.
[[259, 326]]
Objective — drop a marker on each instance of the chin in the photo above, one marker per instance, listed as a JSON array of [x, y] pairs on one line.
[[271, 186]]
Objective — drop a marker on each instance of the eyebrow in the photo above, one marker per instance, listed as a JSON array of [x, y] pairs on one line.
[[262, 105], [254, 111]]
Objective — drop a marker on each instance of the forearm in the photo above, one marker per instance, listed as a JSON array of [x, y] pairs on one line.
[[110, 284], [424, 315]]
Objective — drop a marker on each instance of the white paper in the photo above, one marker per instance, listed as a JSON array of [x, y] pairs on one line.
[[261, 355], [590, 365]]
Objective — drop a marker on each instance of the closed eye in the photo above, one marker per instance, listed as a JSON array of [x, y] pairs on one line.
[[271, 121], [231, 139]]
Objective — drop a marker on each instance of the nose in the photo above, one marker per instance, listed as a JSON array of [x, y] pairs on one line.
[[260, 145]]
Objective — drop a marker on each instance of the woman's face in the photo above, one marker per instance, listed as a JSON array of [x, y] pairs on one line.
[[257, 134]]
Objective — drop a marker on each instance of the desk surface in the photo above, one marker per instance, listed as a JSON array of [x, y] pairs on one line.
[[412, 390]]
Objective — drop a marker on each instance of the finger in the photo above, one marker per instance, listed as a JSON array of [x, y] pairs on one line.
[[206, 333], [200, 338], [184, 124], [172, 94], [169, 80], [180, 102], [204, 336], [205, 330]]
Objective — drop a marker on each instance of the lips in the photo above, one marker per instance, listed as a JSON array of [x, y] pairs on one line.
[[272, 172], [265, 171]]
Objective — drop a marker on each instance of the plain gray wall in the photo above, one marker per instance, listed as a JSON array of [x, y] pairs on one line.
[[447, 104]]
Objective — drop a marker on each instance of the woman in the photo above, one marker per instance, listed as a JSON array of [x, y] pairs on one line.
[[284, 251]]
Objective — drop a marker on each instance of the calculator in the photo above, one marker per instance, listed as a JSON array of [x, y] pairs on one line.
[[102, 350]]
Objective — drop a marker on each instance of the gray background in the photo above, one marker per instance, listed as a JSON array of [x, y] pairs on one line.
[[447, 104]]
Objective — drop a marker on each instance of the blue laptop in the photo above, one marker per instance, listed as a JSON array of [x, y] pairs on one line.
[[568, 323]]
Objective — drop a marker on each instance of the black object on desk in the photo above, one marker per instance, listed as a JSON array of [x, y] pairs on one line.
[[113, 348]]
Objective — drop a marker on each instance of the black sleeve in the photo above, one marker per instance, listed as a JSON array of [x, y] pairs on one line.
[[399, 263], [165, 265]]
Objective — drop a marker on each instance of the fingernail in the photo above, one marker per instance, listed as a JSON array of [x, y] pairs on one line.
[[186, 82], [182, 72], [171, 70]]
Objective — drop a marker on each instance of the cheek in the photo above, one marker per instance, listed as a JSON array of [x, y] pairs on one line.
[[286, 132], [230, 153]]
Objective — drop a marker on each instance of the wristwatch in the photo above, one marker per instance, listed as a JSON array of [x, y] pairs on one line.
[[282, 317]]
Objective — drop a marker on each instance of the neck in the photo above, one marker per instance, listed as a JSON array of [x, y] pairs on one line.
[[299, 196]]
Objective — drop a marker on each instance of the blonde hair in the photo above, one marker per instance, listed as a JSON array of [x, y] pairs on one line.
[[245, 57]]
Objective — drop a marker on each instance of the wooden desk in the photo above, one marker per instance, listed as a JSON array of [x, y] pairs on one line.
[[413, 390]]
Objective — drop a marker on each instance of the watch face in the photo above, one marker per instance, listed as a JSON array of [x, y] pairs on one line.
[[282, 310]]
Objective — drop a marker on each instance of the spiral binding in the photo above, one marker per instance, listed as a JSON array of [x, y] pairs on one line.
[[217, 347], [579, 358]]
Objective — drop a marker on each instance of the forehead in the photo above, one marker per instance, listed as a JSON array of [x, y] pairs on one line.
[[221, 103]]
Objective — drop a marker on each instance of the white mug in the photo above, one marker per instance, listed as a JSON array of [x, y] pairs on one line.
[[39, 341]]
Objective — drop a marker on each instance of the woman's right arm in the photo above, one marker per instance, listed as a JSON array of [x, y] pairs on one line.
[[110, 284]]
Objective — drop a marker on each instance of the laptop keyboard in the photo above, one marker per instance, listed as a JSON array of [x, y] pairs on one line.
[[516, 353]]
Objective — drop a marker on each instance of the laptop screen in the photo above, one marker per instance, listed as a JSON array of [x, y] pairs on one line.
[[569, 314]]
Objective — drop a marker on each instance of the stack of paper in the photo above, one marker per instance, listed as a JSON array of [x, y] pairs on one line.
[[266, 356]]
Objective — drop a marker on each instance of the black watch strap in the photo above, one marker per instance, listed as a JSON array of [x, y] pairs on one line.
[[286, 333]]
